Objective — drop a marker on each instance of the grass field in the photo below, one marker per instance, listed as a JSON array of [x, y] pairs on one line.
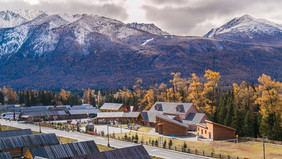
[[245, 149]]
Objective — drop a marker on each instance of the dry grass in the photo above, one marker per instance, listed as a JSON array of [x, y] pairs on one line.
[[65, 140], [144, 129], [244, 150]]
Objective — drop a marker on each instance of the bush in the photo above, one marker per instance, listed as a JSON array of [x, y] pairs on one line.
[[156, 143], [164, 144], [185, 145], [125, 136], [170, 144], [153, 142], [102, 133], [136, 137]]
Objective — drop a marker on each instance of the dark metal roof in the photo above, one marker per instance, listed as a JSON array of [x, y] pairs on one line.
[[193, 118], [65, 150], [170, 108], [111, 106], [150, 116], [11, 133], [5, 155], [134, 152], [27, 141]]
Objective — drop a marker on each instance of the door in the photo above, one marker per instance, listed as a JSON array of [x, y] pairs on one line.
[[209, 135]]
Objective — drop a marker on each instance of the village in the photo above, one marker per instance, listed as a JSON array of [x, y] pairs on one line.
[[167, 125]]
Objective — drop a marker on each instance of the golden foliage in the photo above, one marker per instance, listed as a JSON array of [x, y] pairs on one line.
[[269, 96]]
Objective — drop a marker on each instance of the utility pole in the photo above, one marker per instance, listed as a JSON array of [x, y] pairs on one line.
[[266, 139], [108, 136]]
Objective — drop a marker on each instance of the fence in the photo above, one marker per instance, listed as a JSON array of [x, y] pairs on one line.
[[259, 140], [176, 148]]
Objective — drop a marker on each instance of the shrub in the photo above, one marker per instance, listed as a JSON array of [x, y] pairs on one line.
[[170, 144], [156, 143], [164, 144]]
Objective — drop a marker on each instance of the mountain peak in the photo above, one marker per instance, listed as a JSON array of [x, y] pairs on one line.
[[151, 28], [247, 28]]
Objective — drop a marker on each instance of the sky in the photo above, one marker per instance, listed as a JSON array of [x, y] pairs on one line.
[[177, 17]]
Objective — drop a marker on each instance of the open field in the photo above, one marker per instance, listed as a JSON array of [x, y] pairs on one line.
[[242, 149]]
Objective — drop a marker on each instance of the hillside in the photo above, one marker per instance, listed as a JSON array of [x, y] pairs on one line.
[[63, 51]]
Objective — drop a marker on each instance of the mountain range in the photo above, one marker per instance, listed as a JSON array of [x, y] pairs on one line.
[[49, 51]]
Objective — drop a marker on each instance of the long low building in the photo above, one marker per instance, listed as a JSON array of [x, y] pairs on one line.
[[63, 151], [11, 133], [17, 145], [83, 113], [133, 152], [107, 117]]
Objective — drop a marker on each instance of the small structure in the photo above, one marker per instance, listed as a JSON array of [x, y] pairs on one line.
[[166, 126], [37, 115], [69, 150], [106, 117], [112, 107], [11, 133], [5, 155], [83, 106], [17, 145], [215, 131], [83, 113], [134, 152]]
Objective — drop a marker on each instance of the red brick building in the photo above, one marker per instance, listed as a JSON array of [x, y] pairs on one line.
[[215, 131]]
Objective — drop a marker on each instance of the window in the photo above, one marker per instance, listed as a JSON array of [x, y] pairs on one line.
[[205, 131], [156, 107], [177, 109], [198, 129], [201, 131]]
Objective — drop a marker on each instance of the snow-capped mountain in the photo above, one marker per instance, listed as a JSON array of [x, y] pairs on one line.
[[248, 29], [10, 19], [151, 28]]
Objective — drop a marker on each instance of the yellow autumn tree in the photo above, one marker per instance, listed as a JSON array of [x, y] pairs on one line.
[[211, 91], [161, 96], [138, 91], [179, 87], [149, 99], [99, 97], [195, 92], [244, 96], [269, 96]]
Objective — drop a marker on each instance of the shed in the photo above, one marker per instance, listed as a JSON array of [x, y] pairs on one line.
[[167, 126], [63, 151], [133, 152], [11, 133]]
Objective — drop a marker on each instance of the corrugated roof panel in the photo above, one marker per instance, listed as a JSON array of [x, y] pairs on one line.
[[193, 118], [27, 141], [65, 150], [134, 152], [5, 155], [19, 132]]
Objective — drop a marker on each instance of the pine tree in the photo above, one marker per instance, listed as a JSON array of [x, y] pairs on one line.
[[2, 98]]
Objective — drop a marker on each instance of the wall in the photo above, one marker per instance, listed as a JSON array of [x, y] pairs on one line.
[[170, 128]]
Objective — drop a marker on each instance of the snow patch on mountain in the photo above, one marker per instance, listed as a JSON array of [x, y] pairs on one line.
[[148, 40]]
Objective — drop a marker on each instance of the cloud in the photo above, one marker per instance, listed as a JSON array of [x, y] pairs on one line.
[[191, 17], [109, 8]]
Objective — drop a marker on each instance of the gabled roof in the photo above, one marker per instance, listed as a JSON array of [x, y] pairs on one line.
[[164, 117], [5, 155], [133, 152], [83, 111], [111, 106], [28, 141], [170, 108], [65, 150], [150, 116], [193, 118], [11, 133]]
